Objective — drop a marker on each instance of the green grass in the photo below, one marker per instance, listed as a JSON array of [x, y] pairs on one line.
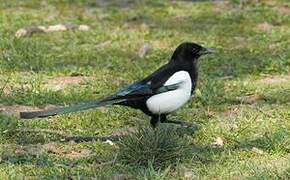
[[246, 55], [159, 148]]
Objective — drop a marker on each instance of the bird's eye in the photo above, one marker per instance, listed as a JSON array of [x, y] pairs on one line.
[[194, 50]]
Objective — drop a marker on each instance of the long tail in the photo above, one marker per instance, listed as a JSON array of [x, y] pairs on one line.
[[69, 109]]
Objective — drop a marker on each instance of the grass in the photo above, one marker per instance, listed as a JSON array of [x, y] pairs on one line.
[[242, 96], [157, 148]]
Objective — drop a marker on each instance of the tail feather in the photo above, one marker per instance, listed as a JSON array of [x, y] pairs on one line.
[[69, 109]]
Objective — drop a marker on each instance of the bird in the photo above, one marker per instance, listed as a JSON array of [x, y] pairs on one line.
[[157, 95]]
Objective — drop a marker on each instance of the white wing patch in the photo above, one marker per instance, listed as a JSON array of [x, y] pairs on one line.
[[172, 100]]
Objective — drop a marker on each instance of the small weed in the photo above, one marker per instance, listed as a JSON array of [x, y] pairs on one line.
[[160, 147]]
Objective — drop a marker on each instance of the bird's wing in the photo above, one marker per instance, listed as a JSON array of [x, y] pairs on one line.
[[141, 89], [152, 84]]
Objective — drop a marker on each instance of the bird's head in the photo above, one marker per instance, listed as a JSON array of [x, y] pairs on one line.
[[189, 51]]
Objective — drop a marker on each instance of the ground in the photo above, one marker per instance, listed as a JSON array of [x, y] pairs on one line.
[[241, 103]]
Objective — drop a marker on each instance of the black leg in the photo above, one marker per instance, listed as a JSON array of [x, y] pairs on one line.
[[155, 120]]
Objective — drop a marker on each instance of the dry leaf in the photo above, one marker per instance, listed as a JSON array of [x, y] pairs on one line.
[[258, 151], [218, 142], [109, 142]]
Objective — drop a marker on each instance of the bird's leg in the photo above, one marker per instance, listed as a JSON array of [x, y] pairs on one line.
[[155, 120]]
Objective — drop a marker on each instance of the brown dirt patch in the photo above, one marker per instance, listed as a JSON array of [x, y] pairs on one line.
[[284, 9], [78, 154], [70, 152], [59, 83], [275, 79], [231, 111], [220, 6], [249, 99], [265, 26], [15, 109], [51, 147]]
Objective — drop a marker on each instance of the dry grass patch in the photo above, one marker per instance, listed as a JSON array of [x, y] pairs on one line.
[[285, 9], [250, 99], [220, 6], [265, 26], [52, 148], [16, 109], [274, 80], [59, 83], [231, 111]]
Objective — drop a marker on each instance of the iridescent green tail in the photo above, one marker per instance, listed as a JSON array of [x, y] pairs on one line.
[[69, 109]]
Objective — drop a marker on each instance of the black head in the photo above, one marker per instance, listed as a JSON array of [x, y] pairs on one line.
[[188, 51]]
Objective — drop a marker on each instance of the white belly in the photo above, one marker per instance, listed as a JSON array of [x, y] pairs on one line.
[[172, 100]]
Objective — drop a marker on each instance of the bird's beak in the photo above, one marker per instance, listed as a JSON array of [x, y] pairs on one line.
[[207, 51]]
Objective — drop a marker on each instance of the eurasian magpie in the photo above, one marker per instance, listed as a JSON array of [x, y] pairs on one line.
[[157, 95]]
